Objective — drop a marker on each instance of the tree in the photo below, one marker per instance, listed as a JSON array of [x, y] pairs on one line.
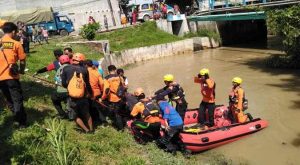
[[286, 23]]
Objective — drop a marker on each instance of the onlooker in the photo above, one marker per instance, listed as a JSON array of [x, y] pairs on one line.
[[134, 16], [45, 34], [176, 10], [123, 20], [10, 53], [34, 33], [105, 23], [91, 20], [130, 16], [164, 10], [23, 38]]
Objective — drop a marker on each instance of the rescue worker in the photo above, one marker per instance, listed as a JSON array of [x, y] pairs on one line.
[[96, 82], [61, 94], [238, 102], [175, 93], [173, 126], [54, 65], [80, 105], [149, 123], [113, 91], [11, 52], [207, 86]]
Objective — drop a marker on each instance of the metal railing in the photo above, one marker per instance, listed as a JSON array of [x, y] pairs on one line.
[[224, 5], [212, 4]]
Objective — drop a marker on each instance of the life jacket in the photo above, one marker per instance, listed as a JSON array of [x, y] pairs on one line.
[[57, 78], [151, 109], [178, 94], [209, 94], [116, 90], [76, 86], [96, 81], [233, 98]]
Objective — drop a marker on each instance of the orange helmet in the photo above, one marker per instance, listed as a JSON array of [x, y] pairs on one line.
[[78, 57]]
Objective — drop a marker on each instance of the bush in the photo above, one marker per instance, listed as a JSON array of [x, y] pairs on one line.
[[88, 31], [286, 23]]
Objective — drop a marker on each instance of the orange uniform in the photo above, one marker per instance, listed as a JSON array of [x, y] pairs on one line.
[[207, 89], [139, 109], [13, 51], [111, 85], [237, 96], [96, 82]]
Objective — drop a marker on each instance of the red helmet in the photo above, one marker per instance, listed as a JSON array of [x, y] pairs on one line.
[[78, 57], [64, 59]]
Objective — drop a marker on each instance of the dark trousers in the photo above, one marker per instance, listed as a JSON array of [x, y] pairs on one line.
[[57, 99], [115, 108], [173, 140], [151, 131], [26, 45], [181, 107], [97, 112], [12, 91], [210, 107]]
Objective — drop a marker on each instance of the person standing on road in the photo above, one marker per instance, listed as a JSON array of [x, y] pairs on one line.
[[105, 22], [45, 34], [130, 16], [11, 52]]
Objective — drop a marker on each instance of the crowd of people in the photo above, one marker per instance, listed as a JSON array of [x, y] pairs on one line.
[[91, 98]]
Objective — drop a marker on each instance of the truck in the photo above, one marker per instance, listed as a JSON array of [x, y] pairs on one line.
[[54, 22]]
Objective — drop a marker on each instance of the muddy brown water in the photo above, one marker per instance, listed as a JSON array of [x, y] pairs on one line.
[[273, 95]]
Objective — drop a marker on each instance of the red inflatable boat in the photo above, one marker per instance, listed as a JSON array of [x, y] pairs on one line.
[[224, 132]]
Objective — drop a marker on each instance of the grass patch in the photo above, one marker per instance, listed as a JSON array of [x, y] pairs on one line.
[[146, 34]]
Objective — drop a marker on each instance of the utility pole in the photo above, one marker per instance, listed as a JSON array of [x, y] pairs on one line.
[[112, 12]]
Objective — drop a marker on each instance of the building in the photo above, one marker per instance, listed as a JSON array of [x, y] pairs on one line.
[[77, 10]]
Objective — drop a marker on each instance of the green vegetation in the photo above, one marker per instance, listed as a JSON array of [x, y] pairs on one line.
[[286, 23], [205, 33], [146, 34], [88, 31]]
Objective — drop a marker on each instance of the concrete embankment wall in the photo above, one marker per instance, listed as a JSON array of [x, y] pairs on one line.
[[131, 56]]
